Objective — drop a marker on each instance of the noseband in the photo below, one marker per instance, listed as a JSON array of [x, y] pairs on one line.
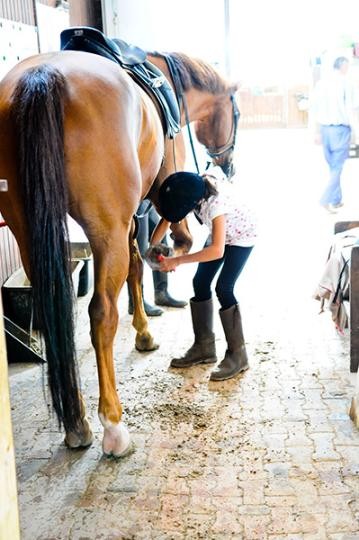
[[215, 153]]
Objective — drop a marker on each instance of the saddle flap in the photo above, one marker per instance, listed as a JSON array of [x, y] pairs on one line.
[[132, 54]]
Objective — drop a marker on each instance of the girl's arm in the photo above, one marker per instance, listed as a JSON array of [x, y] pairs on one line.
[[209, 253], [160, 231]]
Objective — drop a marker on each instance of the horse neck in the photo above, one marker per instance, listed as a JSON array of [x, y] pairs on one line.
[[199, 104]]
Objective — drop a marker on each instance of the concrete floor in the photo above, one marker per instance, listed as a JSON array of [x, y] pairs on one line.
[[268, 455]]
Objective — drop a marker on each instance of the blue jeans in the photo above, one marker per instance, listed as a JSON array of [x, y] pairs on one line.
[[336, 144], [233, 261]]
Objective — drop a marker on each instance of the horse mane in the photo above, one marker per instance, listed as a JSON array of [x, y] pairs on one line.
[[195, 73]]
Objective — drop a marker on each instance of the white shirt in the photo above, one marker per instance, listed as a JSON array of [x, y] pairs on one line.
[[334, 100], [241, 224]]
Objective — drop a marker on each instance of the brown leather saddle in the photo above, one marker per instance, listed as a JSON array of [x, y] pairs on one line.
[[134, 61]]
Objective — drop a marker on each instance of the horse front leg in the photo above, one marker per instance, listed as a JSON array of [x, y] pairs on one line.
[[111, 264], [144, 340], [182, 237]]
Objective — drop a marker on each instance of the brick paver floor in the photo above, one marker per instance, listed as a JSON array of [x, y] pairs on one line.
[[271, 454]]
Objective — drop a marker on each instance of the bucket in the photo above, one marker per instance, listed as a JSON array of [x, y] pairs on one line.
[[17, 295]]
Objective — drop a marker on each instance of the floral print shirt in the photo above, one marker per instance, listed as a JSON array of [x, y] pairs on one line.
[[241, 223]]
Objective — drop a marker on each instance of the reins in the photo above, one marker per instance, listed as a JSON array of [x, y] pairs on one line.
[[181, 101]]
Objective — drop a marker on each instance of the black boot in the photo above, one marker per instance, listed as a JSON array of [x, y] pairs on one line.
[[162, 296], [235, 359], [151, 311], [203, 350]]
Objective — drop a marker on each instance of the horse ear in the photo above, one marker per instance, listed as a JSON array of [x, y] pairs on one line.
[[234, 87]]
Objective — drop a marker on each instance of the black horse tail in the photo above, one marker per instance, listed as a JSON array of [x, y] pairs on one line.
[[38, 106]]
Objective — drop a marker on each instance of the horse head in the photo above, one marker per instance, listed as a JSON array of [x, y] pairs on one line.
[[207, 100], [217, 131]]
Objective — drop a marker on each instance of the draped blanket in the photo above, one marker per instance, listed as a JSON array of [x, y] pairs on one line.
[[333, 286]]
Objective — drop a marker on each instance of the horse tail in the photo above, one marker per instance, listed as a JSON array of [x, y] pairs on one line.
[[38, 107]]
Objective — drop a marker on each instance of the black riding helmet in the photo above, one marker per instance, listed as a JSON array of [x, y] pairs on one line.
[[179, 194]]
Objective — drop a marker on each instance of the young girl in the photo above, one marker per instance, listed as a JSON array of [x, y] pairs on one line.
[[232, 235]]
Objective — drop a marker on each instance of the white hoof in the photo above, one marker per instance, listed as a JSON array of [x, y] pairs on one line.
[[116, 440]]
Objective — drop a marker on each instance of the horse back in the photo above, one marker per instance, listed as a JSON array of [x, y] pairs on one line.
[[111, 127]]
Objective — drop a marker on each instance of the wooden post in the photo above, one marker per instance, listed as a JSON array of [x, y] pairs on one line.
[[354, 309], [86, 13], [227, 38], [9, 515], [339, 227]]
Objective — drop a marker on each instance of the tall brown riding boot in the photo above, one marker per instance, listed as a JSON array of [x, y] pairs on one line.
[[203, 350], [235, 359]]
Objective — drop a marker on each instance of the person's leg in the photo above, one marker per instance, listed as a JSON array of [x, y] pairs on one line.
[[336, 144], [203, 279], [143, 228], [160, 279], [142, 241], [234, 260], [325, 199], [203, 350], [235, 359]]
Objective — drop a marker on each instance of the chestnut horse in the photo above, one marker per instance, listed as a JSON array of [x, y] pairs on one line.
[[78, 136]]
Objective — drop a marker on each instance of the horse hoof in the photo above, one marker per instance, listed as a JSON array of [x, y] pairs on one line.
[[354, 412], [116, 441], [145, 342], [81, 438]]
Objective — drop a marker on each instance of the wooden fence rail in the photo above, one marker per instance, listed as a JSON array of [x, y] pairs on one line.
[[18, 10]]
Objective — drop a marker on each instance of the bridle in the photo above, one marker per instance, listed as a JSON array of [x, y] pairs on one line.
[[216, 153]]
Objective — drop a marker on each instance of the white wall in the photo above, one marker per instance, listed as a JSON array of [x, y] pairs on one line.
[[195, 27], [17, 41], [272, 42], [51, 22]]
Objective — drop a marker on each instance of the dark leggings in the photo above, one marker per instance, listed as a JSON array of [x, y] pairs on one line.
[[233, 261]]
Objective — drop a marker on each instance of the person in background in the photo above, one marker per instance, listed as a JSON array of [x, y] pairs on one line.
[[146, 225], [334, 104], [232, 228]]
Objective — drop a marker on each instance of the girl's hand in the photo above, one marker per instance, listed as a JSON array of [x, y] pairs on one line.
[[169, 264]]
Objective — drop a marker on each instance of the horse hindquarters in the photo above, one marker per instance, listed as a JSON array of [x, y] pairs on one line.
[[38, 108]]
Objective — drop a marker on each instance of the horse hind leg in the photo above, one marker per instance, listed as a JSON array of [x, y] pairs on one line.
[[111, 263], [144, 340], [83, 436]]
